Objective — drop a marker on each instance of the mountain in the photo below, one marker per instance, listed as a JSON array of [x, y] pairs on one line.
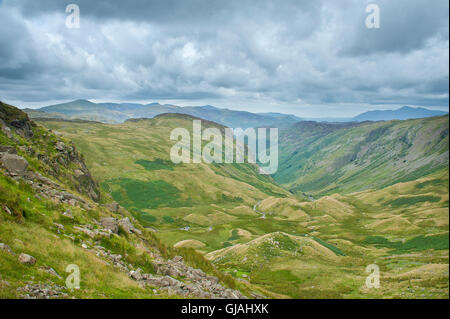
[[324, 158], [54, 222], [118, 113], [404, 113]]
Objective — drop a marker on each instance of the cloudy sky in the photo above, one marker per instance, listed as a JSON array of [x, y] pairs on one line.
[[312, 58]]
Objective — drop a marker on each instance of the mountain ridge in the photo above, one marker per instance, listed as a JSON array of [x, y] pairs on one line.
[[403, 113]]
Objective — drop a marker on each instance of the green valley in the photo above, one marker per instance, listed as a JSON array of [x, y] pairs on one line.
[[362, 193]]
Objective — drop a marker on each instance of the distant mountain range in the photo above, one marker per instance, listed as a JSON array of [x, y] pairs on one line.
[[120, 112], [404, 113]]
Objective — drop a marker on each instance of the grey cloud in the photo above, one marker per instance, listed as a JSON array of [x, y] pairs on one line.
[[286, 52], [405, 25]]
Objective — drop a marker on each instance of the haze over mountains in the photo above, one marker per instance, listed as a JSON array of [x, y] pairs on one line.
[[404, 113], [120, 112]]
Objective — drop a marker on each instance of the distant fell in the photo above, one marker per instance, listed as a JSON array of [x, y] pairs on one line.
[[404, 113]]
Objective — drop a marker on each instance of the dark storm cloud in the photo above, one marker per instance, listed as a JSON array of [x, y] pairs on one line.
[[271, 53]]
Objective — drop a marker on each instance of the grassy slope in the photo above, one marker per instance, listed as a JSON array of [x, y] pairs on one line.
[[320, 159]]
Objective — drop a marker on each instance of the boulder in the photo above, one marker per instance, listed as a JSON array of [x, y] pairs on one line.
[[27, 259], [110, 223], [14, 163], [136, 274]]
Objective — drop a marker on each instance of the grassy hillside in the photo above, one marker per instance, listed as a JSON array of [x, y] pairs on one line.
[[321, 159]]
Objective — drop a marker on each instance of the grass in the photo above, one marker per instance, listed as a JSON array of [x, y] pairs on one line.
[[136, 194], [411, 200], [419, 243], [157, 164], [334, 249]]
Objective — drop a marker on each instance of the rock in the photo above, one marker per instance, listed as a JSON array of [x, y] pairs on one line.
[[60, 146], [113, 207], [7, 210], [68, 214], [128, 226], [72, 202], [116, 258], [27, 259], [136, 275], [110, 223], [7, 131], [42, 291], [59, 226], [14, 163], [8, 149], [6, 248], [78, 173], [213, 279], [177, 259], [88, 232]]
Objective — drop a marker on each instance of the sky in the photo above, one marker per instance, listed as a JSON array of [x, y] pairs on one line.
[[314, 58]]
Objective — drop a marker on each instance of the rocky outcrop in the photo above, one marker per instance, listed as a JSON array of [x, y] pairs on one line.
[[195, 281], [42, 291], [191, 282], [13, 120]]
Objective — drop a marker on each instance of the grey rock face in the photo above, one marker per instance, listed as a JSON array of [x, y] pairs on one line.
[[14, 163]]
